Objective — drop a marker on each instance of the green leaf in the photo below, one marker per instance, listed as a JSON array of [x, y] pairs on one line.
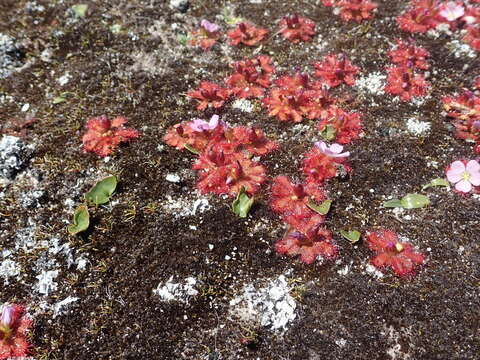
[[328, 133], [80, 10], [322, 209], [392, 203], [353, 236], [81, 220], [436, 182], [242, 204], [58, 100], [115, 28], [415, 201], [409, 201], [229, 18], [182, 39], [102, 190], [191, 149]]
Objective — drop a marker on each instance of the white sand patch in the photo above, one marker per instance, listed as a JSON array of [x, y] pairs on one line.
[[62, 306], [272, 306], [64, 79], [13, 156], [372, 83], [417, 127], [181, 207], [8, 268], [461, 50], [173, 178], [243, 105], [373, 271], [180, 292], [46, 283]]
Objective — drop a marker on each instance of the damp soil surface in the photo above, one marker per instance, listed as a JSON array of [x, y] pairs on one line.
[[126, 58]]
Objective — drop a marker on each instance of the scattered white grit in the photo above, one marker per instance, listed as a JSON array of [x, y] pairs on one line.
[[178, 4], [373, 270], [46, 283], [243, 105], [200, 205], [13, 155], [272, 305], [8, 268], [5, 99], [417, 127], [180, 292], [461, 50], [64, 79], [181, 207], [174, 178], [373, 83], [8, 61], [60, 307], [345, 270]]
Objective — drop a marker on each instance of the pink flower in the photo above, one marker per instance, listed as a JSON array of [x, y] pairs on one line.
[[14, 329], [334, 150], [7, 316], [464, 174], [452, 11], [210, 27], [200, 125]]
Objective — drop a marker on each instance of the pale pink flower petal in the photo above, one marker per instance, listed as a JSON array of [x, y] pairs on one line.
[[463, 186], [214, 121], [202, 125], [322, 146], [452, 11], [199, 125], [210, 27], [453, 177], [472, 167], [457, 167], [334, 150], [475, 179], [6, 318]]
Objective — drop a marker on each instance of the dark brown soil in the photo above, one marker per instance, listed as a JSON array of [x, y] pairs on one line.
[[352, 316]]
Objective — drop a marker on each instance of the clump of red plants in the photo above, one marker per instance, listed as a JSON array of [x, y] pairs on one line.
[[251, 77], [225, 164], [296, 28], [341, 126], [295, 97], [335, 70], [14, 328], [464, 112], [228, 157], [424, 15], [206, 36], [401, 257], [103, 135], [209, 95], [246, 34], [353, 10], [420, 16], [225, 161], [403, 80], [302, 205]]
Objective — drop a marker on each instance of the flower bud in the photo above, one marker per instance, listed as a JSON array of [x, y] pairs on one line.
[[7, 316]]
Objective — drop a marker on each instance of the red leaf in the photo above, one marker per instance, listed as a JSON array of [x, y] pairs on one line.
[[390, 252], [103, 135]]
